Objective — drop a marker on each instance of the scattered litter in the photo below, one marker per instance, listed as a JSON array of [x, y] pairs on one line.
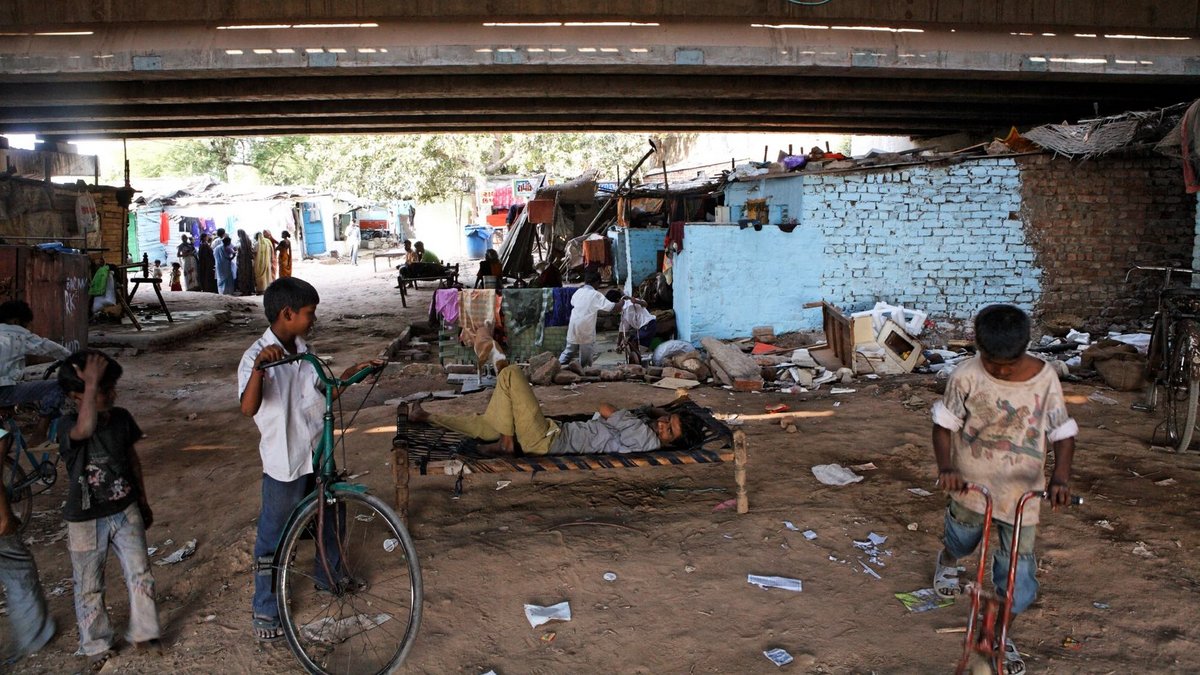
[[689, 568], [210, 618], [61, 588], [610, 576], [867, 570], [869, 466], [1072, 644], [923, 600], [1100, 605], [182, 554], [549, 636], [778, 656], [791, 526], [1097, 397], [1078, 338], [920, 492], [876, 539], [835, 474], [538, 615], [785, 583], [842, 390], [364, 517], [777, 408], [1165, 482], [913, 527], [870, 546], [810, 535], [501, 484], [1142, 550], [333, 631], [490, 672], [150, 551], [356, 476], [390, 545], [837, 404], [727, 504], [1105, 525]]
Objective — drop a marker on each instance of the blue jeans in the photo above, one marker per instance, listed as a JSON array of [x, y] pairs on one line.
[[573, 349], [279, 498], [88, 542], [964, 530], [47, 393], [32, 628]]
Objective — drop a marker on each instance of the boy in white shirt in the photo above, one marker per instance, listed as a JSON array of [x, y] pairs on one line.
[[288, 407], [17, 341], [586, 303]]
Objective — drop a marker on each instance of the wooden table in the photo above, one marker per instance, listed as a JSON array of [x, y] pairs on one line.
[[387, 255]]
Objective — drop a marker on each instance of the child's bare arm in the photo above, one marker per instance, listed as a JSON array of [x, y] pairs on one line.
[[135, 464], [607, 410], [948, 476], [1060, 480], [252, 394], [91, 373]]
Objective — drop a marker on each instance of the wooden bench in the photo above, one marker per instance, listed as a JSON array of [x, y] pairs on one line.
[[423, 447], [446, 278]]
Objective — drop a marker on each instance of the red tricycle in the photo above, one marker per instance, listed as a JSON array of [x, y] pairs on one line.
[[987, 627]]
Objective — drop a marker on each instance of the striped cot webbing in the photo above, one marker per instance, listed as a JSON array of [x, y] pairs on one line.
[[428, 444]]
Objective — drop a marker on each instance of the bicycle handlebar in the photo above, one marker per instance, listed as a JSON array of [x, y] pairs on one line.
[[319, 366], [1168, 270]]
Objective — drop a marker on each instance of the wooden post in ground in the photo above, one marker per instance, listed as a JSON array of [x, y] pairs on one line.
[[400, 477], [739, 470]]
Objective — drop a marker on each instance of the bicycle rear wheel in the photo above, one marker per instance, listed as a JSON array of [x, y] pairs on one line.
[[21, 499], [1181, 397], [366, 620]]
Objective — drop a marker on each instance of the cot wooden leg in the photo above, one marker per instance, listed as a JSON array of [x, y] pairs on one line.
[[400, 476], [739, 470]]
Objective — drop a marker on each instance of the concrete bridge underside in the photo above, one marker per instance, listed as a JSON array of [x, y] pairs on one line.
[[116, 68]]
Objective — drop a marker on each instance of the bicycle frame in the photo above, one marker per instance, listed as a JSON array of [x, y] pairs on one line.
[[38, 471], [323, 464]]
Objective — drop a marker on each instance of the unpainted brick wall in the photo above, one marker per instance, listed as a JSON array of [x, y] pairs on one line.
[[1090, 221]]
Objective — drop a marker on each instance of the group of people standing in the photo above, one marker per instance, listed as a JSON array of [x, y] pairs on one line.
[[217, 265]]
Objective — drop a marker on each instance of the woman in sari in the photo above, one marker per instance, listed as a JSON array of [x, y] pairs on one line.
[[206, 265], [285, 255], [245, 265], [187, 259], [262, 262]]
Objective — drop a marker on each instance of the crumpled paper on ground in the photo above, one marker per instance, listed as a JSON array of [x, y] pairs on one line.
[[835, 474], [538, 615]]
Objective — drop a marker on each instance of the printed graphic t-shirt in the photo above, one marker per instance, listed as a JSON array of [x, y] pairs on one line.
[[99, 468], [999, 431]]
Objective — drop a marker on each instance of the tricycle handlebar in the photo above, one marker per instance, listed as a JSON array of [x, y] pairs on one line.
[[326, 379], [1168, 270]]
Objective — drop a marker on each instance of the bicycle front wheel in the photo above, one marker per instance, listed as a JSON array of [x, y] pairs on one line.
[[21, 499], [351, 603], [1182, 396]]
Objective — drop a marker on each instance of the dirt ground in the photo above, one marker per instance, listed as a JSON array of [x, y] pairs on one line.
[[680, 602]]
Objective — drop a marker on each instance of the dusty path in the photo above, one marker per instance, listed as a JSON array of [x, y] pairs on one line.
[[680, 603]]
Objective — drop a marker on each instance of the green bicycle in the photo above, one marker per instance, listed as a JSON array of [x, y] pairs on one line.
[[364, 625]]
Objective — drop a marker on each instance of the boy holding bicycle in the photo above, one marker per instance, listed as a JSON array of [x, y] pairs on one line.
[[106, 505], [17, 342], [991, 429], [288, 406]]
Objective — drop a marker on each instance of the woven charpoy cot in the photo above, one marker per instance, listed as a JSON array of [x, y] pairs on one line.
[[423, 446]]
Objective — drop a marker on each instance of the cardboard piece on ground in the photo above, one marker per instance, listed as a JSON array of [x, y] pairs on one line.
[[676, 383]]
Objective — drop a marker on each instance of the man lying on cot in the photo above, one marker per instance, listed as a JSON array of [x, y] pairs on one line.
[[514, 413]]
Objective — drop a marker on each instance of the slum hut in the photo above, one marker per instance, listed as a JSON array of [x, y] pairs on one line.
[[51, 234], [165, 210]]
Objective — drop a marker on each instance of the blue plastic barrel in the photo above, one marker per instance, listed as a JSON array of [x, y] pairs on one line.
[[479, 239]]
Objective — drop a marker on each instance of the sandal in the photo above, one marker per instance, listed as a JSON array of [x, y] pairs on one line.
[[1013, 663], [267, 630], [96, 662], [945, 579]]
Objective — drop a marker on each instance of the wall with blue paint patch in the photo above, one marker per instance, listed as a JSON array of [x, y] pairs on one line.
[[1050, 235], [645, 243]]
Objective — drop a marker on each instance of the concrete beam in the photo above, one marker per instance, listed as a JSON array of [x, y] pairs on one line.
[[1035, 15]]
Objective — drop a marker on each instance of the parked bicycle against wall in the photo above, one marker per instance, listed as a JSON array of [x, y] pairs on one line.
[[368, 624], [1173, 363]]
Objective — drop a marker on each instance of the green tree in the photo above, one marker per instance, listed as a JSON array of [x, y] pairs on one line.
[[425, 167]]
